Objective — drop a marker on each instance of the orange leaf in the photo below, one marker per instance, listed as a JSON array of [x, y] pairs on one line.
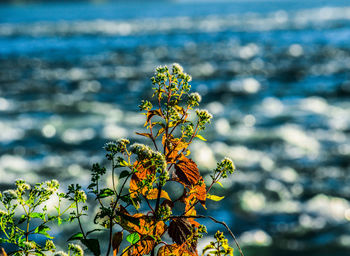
[[116, 241], [153, 194], [144, 246], [174, 250], [187, 171], [152, 113], [143, 171]]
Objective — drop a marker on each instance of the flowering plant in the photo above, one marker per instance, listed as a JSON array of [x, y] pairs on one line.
[[138, 202]]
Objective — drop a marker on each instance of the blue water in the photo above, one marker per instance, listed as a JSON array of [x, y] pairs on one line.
[[275, 74]]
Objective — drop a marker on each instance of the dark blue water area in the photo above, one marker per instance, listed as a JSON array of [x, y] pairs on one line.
[[275, 74], [148, 9], [84, 45]]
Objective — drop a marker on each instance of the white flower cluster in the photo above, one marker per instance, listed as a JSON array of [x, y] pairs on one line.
[[10, 194], [22, 185], [29, 245], [60, 253], [141, 150], [194, 99], [76, 249], [177, 68], [203, 115]]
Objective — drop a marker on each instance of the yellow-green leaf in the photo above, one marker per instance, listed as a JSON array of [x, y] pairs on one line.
[[200, 137], [218, 182], [214, 197]]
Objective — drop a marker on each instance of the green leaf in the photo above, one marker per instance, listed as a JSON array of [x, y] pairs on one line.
[[106, 192], [218, 182], [214, 197], [22, 219], [93, 245], [77, 236], [133, 238], [94, 230], [124, 174], [42, 229], [200, 137], [122, 164], [37, 215]]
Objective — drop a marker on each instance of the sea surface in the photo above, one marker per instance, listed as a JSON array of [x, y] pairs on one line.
[[275, 75]]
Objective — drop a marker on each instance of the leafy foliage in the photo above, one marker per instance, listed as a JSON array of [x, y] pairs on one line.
[[137, 201]]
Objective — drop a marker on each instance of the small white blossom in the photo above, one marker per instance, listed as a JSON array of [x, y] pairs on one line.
[[177, 68], [10, 194], [60, 253], [76, 249], [30, 245]]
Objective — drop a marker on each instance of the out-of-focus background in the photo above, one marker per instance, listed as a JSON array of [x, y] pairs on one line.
[[275, 74]]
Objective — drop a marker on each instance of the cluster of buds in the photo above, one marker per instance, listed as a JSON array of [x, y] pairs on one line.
[[164, 211], [60, 253], [145, 105], [52, 186], [3, 213], [75, 193], [9, 195], [220, 247], [226, 165], [204, 117], [142, 151], [114, 147], [201, 229], [159, 161], [30, 245], [194, 99], [49, 245], [177, 69], [75, 249], [22, 185]]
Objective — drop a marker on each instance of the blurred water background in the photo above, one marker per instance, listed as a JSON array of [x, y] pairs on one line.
[[275, 74]]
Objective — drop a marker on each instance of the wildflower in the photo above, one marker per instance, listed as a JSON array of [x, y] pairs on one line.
[[76, 249], [29, 245], [161, 69], [194, 99], [49, 245], [141, 150], [188, 78], [204, 116], [52, 186], [60, 253], [177, 68], [80, 196], [228, 164], [10, 194], [160, 160], [22, 185]]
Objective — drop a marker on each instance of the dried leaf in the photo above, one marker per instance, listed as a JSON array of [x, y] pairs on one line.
[[187, 171], [116, 241], [152, 113], [174, 250], [143, 170], [179, 230], [142, 247], [153, 194]]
